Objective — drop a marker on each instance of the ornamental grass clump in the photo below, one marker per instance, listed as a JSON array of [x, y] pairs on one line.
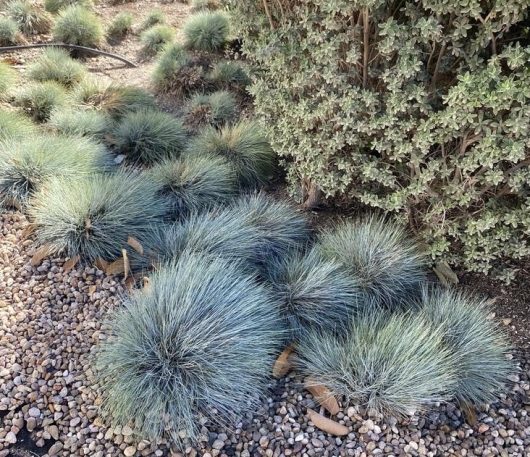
[[178, 73], [79, 26], [206, 31], [120, 26], [229, 75], [39, 99], [216, 109], [156, 38], [56, 65], [54, 6], [72, 121], [313, 292], [8, 77], [200, 5], [198, 343], [155, 17], [149, 136], [380, 256], [244, 145], [26, 164], [193, 184], [391, 364], [8, 31], [29, 16], [478, 344], [14, 125], [94, 217]]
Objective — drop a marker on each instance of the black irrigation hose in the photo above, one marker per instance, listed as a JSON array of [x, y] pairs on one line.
[[68, 46]]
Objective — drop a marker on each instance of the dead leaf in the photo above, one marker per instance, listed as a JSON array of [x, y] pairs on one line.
[[71, 263], [126, 264], [323, 395], [135, 244], [101, 264], [282, 366], [129, 282], [92, 289], [115, 267], [445, 273], [507, 321], [40, 254], [327, 425]]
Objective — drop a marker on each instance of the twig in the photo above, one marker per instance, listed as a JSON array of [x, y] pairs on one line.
[[268, 13], [68, 46]]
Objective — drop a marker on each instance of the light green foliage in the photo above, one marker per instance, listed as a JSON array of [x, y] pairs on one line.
[[8, 31], [8, 76], [155, 17], [120, 26], [56, 65], [156, 38], [54, 6], [39, 99], [244, 145], [229, 75], [420, 108], [206, 31], [14, 125], [29, 16], [199, 5], [217, 109], [78, 25], [80, 122]]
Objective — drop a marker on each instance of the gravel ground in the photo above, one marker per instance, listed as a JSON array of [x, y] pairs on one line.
[[52, 319]]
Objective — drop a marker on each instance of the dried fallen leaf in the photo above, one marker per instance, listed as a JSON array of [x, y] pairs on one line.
[[126, 264], [92, 289], [101, 264], [129, 282], [327, 425], [323, 395], [115, 267], [40, 254], [70, 263], [135, 244], [282, 366]]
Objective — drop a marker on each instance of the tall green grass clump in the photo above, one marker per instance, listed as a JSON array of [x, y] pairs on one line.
[[78, 25], [54, 6], [56, 65], [29, 16], [384, 260], [216, 109], [156, 38], [8, 77], [8, 31], [395, 365], [39, 99], [206, 31], [313, 292], [476, 341], [94, 217], [79, 122], [26, 164], [229, 76], [120, 26], [194, 184], [211, 358], [149, 136], [244, 145], [155, 17], [178, 73], [15, 125]]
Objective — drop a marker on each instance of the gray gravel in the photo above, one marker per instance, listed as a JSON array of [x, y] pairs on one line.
[[51, 321]]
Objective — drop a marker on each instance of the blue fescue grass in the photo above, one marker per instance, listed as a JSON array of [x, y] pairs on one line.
[[156, 38], [56, 65], [8, 77], [215, 109], [29, 16], [8, 31], [229, 75], [120, 26], [14, 125], [199, 342], [79, 122], [78, 25], [206, 31], [40, 98], [54, 6]]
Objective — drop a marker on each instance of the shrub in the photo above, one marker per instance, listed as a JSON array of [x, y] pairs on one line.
[[211, 359], [385, 262], [244, 145], [114, 100], [14, 125], [30, 17], [394, 365], [94, 217], [178, 73], [156, 38], [279, 226], [78, 25], [214, 109], [229, 75], [27, 163], [206, 31], [313, 292], [149, 136], [8, 76], [39, 99], [54, 6], [194, 183], [56, 65], [78, 122], [479, 346], [8, 31], [434, 131], [155, 17], [120, 26]]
